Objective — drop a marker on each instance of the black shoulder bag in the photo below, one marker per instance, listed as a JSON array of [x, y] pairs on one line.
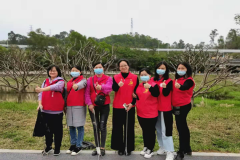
[[101, 97]]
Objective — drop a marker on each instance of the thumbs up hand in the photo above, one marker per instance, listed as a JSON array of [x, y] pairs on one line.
[[98, 87], [75, 86], [164, 84], [177, 85], [147, 85], [120, 84], [38, 89]]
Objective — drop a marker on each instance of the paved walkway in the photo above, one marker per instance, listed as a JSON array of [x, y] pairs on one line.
[[110, 155]]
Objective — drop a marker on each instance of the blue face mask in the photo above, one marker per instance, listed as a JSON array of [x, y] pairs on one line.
[[161, 71], [181, 73], [98, 71], [75, 74], [144, 78]]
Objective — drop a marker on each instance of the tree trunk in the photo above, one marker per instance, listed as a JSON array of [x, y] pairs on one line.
[[192, 102], [19, 100]]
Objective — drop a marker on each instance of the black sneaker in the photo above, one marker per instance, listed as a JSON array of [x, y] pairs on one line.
[[76, 151], [102, 152], [180, 156], [71, 149], [56, 152], [128, 153], [120, 153], [47, 150], [188, 152], [94, 153]]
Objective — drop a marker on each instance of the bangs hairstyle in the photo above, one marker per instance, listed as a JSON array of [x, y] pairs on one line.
[[145, 69], [78, 68], [122, 60], [166, 74], [57, 68], [188, 73], [94, 64]]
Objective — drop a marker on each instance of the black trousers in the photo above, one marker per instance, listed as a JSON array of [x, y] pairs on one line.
[[118, 140], [54, 127], [148, 131], [101, 113], [183, 130]]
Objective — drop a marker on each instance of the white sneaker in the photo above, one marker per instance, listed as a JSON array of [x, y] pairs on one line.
[[161, 151], [170, 156], [71, 149], [68, 152], [76, 151], [143, 152], [148, 154]]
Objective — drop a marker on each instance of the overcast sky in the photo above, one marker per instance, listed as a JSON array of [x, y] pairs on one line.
[[167, 20]]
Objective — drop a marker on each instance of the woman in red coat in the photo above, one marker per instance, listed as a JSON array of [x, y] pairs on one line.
[[164, 125], [98, 84], [124, 85], [183, 86], [51, 104], [76, 109], [147, 110]]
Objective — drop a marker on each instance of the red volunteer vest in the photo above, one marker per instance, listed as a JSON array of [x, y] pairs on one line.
[[181, 98], [75, 98], [164, 103], [51, 100], [124, 93], [147, 105], [103, 80]]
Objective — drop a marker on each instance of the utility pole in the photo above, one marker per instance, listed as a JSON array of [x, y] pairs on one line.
[[132, 26], [31, 28]]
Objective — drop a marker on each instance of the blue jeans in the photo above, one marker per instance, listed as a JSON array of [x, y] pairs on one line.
[[76, 140], [165, 142]]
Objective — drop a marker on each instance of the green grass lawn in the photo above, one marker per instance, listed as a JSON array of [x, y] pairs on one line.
[[214, 126]]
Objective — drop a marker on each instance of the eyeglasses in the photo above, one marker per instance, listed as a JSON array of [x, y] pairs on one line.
[[52, 71]]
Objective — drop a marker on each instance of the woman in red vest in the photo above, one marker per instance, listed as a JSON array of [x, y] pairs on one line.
[[183, 86], [147, 110], [164, 125], [76, 109], [99, 83], [124, 85], [51, 103]]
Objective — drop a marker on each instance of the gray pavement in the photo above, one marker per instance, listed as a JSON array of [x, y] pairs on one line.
[[110, 156]]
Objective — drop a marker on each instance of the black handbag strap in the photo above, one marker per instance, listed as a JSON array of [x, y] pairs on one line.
[[93, 85]]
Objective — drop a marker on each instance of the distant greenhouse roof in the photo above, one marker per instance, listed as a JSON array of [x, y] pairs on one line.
[[20, 46], [157, 49]]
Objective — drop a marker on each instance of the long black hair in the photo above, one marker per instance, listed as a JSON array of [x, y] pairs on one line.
[[166, 74], [188, 73], [57, 68], [145, 69]]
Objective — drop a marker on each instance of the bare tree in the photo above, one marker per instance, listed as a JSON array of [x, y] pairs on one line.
[[85, 57], [90, 54], [216, 68], [19, 69], [59, 55]]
